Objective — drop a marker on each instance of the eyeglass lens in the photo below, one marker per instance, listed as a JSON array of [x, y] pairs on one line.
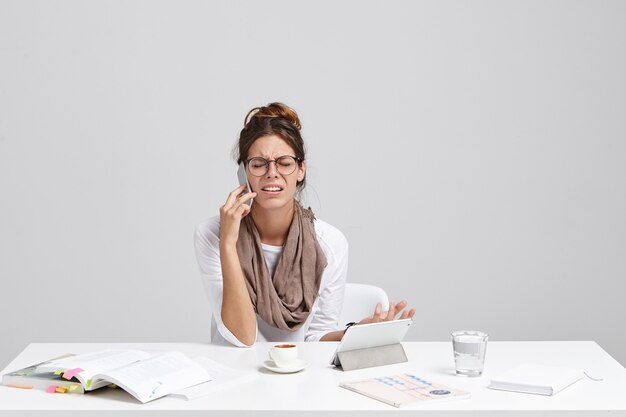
[[259, 166]]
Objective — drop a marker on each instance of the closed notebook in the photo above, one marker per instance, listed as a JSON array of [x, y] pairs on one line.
[[536, 379]]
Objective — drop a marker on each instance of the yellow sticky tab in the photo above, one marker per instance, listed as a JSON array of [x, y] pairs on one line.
[[112, 386], [73, 387], [61, 390], [89, 383], [59, 372]]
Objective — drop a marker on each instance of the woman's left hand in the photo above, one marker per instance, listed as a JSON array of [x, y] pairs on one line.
[[394, 310]]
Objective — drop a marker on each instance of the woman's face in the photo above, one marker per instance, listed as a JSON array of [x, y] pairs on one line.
[[274, 190]]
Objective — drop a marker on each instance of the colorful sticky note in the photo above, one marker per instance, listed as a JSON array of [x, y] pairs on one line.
[[89, 383], [61, 390], [58, 372], [71, 372], [51, 389], [73, 387]]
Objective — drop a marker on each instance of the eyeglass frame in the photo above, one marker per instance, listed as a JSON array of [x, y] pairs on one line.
[[275, 160]]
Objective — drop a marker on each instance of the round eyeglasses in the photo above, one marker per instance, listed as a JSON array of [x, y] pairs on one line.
[[285, 165]]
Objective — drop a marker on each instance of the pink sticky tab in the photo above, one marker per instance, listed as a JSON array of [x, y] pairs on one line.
[[51, 389], [71, 372]]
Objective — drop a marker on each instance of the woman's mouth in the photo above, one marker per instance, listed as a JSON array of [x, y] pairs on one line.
[[272, 189]]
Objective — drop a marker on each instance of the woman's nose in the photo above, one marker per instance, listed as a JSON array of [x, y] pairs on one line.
[[272, 169]]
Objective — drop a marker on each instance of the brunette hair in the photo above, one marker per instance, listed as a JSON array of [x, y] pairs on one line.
[[274, 119]]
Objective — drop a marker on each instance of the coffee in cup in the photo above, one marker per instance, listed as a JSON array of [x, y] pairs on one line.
[[284, 355]]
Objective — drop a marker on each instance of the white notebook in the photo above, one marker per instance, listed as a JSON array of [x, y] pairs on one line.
[[536, 379]]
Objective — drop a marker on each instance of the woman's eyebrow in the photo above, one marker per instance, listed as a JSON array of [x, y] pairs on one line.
[[266, 156]]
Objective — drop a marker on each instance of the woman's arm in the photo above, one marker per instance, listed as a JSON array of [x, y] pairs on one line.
[[378, 316], [207, 244], [237, 311], [332, 336], [324, 324]]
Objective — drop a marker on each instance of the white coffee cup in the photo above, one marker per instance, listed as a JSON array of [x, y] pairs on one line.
[[284, 355]]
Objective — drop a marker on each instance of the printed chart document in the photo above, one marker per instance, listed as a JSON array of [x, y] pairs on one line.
[[403, 389], [145, 376]]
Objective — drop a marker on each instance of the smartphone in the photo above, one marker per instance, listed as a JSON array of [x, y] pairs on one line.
[[243, 180]]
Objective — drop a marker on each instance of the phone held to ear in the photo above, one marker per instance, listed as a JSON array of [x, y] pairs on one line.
[[243, 180]]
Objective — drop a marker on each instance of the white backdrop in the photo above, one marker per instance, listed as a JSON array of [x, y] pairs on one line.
[[473, 153]]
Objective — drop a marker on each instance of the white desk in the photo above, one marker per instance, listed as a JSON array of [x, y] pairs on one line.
[[315, 390]]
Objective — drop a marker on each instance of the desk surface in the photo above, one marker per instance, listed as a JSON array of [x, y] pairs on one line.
[[315, 390]]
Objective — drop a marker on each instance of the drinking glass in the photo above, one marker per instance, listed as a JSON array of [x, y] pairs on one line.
[[469, 352]]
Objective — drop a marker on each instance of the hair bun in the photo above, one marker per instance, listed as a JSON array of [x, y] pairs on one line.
[[274, 110]]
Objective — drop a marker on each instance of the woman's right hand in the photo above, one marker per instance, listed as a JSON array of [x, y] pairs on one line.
[[394, 310], [231, 214]]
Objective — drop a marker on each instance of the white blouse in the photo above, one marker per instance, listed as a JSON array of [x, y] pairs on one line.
[[326, 309]]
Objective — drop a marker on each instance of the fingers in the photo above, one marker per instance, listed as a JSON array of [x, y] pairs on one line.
[[391, 313], [383, 314], [395, 309], [233, 203], [377, 311], [374, 317], [232, 196], [400, 306], [244, 198], [231, 213], [243, 210]]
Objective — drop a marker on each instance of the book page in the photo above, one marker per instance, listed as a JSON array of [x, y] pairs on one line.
[[95, 362], [158, 376], [223, 377]]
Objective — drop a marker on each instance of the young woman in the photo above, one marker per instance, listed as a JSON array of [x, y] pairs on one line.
[[272, 271]]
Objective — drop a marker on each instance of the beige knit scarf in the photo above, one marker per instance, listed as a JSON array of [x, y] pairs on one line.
[[286, 299]]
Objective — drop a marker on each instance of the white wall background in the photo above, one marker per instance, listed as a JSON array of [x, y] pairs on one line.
[[472, 152]]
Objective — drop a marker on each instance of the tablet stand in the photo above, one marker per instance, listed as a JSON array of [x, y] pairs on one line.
[[373, 356]]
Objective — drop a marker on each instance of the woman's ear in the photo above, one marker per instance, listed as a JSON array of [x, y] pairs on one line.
[[301, 171]]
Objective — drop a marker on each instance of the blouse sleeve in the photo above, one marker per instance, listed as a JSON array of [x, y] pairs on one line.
[[206, 243], [332, 293]]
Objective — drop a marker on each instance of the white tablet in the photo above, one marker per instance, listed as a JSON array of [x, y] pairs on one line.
[[370, 335]]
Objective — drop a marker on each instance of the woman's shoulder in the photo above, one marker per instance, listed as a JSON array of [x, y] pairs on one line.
[[209, 231], [330, 238]]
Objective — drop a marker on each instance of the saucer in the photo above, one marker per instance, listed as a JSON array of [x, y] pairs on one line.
[[296, 366]]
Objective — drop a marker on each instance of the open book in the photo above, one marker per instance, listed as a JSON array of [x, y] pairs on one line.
[[143, 375], [28, 378]]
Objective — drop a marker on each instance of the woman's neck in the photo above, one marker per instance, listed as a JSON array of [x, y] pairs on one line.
[[273, 225]]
